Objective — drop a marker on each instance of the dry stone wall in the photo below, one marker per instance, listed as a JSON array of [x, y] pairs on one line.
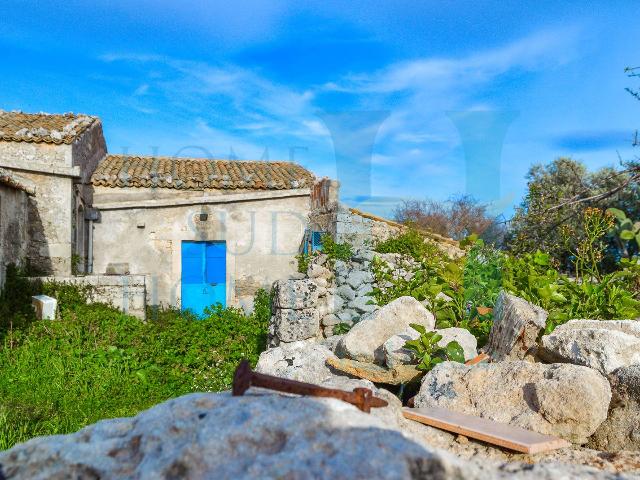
[[127, 293]]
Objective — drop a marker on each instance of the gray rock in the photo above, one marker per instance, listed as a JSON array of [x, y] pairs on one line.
[[621, 429], [295, 294], [346, 292], [347, 316], [340, 268], [219, 436], [364, 341], [293, 325], [330, 320], [322, 284], [363, 304], [331, 342], [215, 435], [363, 256], [330, 304], [304, 361], [364, 290], [516, 326], [605, 345], [357, 278], [568, 401], [396, 354], [318, 271]]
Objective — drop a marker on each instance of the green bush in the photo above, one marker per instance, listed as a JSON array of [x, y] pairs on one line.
[[336, 251], [96, 362], [410, 242]]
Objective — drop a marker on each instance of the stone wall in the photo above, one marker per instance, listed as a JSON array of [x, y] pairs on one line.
[[141, 231], [55, 170], [13, 228], [127, 293], [362, 230]]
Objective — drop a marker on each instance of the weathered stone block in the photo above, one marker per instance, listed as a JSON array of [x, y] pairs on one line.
[[605, 345], [364, 341], [295, 294], [516, 326], [568, 401], [293, 325], [621, 429]]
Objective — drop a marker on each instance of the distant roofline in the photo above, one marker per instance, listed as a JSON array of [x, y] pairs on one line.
[[38, 128]]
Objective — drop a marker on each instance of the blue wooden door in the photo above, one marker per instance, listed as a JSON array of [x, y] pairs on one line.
[[204, 273]]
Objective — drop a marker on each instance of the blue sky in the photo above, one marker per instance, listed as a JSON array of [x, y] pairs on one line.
[[398, 99]]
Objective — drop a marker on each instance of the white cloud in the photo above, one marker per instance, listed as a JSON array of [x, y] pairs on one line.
[[530, 53]]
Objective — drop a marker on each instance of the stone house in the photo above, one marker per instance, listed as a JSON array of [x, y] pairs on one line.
[[57, 153], [185, 232], [14, 204], [201, 231]]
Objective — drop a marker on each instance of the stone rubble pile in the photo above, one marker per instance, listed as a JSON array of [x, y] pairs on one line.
[[581, 382], [343, 295]]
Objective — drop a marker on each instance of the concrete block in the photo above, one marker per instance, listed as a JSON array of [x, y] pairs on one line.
[[44, 306]]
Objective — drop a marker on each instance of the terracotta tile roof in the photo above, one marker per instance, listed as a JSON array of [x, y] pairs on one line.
[[7, 177], [199, 173], [43, 127]]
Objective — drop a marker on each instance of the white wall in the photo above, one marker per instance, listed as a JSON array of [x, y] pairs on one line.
[[262, 233]]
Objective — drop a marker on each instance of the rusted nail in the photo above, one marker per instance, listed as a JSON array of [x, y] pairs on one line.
[[245, 377]]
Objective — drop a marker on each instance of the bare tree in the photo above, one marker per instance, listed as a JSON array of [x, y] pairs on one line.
[[456, 218]]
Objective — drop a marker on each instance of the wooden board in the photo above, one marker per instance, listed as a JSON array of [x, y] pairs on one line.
[[501, 434]]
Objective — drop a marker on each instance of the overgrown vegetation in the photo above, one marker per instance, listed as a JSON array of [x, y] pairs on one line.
[[96, 362], [462, 292], [331, 248]]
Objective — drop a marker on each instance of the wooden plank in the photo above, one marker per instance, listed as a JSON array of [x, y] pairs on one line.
[[501, 434], [483, 357]]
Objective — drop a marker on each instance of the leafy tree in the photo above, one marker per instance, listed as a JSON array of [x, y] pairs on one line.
[[557, 196]]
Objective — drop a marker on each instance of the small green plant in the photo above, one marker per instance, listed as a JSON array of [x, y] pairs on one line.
[[303, 262], [429, 353], [334, 250], [589, 252], [341, 328], [626, 230], [482, 275], [76, 261]]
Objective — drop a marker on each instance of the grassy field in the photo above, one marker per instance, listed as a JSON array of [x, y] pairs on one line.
[[95, 363]]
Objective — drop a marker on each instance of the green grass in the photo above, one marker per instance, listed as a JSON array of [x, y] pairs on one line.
[[96, 363]]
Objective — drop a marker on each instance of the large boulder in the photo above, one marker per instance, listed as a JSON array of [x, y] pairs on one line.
[[621, 429], [516, 327], [605, 345], [293, 325], [304, 361], [218, 436], [395, 354], [568, 401], [295, 294], [209, 435], [364, 341]]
